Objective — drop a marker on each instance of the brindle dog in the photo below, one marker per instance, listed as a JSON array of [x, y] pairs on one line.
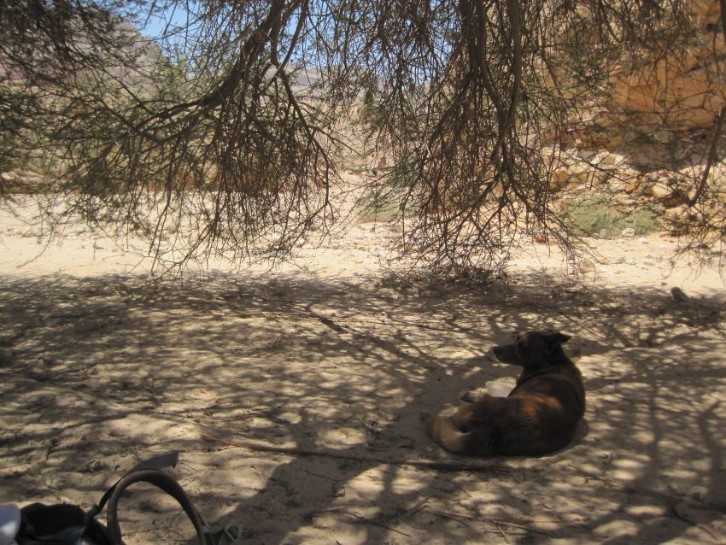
[[540, 415]]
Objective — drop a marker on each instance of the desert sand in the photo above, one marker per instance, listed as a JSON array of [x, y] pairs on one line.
[[294, 395]]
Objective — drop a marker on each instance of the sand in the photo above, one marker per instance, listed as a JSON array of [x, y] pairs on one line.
[[294, 396]]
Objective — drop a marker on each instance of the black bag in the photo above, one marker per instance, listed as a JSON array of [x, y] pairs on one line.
[[66, 524]]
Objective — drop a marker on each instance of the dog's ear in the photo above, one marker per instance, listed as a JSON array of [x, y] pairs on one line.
[[559, 338]]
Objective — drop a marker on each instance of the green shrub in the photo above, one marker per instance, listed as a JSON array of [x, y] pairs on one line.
[[600, 215], [377, 206]]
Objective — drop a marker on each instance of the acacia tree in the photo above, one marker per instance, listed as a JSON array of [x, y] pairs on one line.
[[229, 121]]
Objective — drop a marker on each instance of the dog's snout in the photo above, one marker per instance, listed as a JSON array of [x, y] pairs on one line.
[[506, 353], [502, 353]]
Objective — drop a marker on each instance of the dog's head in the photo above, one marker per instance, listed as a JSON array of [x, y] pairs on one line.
[[533, 349]]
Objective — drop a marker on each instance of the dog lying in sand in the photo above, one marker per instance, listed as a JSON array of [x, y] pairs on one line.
[[540, 415]]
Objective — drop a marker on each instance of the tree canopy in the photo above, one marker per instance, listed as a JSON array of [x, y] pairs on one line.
[[233, 119]]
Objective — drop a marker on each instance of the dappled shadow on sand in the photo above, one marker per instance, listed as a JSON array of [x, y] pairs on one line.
[[296, 404]]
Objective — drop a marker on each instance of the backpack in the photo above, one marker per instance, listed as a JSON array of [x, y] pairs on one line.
[[66, 524]]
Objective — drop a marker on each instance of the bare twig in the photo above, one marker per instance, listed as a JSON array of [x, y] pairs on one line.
[[712, 156], [635, 488], [440, 465], [362, 518], [523, 525]]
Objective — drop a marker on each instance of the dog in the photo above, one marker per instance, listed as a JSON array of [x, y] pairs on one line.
[[540, 415]]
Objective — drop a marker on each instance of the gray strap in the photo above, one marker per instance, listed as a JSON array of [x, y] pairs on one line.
[[150, 471]]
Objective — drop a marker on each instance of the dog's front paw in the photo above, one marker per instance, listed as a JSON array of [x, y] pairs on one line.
[[466, 395], [472, 396]]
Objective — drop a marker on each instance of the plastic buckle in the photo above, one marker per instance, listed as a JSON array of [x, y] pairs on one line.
[[232, 532], [229, 535]]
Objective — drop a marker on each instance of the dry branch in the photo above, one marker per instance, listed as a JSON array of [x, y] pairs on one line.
[[207, 129], [439, 465]]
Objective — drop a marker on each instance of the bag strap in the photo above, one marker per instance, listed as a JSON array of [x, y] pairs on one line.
[[150, 471], [161, 461]]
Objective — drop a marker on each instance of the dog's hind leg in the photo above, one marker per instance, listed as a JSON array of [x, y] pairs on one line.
[[442, 430]]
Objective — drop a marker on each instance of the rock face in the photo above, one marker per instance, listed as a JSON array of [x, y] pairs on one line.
[[658, 118], [682, 90]]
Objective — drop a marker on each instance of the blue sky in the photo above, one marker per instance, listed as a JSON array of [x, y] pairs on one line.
[[176, 15]]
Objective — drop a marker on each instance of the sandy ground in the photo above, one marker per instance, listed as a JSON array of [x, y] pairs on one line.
[[294, 397]]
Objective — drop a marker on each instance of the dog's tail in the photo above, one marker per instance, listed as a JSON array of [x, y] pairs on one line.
[[443, 431]]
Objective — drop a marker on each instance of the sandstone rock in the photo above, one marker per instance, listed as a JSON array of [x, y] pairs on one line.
[[632, 185], [676, 91], [671, 94], [677, 214], [611, 160], [616, 185], [705, 12], [660, 191], [560, 179]]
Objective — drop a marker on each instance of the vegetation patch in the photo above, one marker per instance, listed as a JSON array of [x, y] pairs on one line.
[[378, 206], [600, 215]]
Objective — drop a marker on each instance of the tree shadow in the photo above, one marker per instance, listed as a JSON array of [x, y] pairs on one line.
[[329, 378]]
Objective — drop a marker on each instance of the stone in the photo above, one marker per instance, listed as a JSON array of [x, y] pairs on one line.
[[585, 266], [660, 191], [560, 179], [678, 295], [632, 185]]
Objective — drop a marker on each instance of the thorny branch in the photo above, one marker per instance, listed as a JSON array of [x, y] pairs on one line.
[[229, 126]]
